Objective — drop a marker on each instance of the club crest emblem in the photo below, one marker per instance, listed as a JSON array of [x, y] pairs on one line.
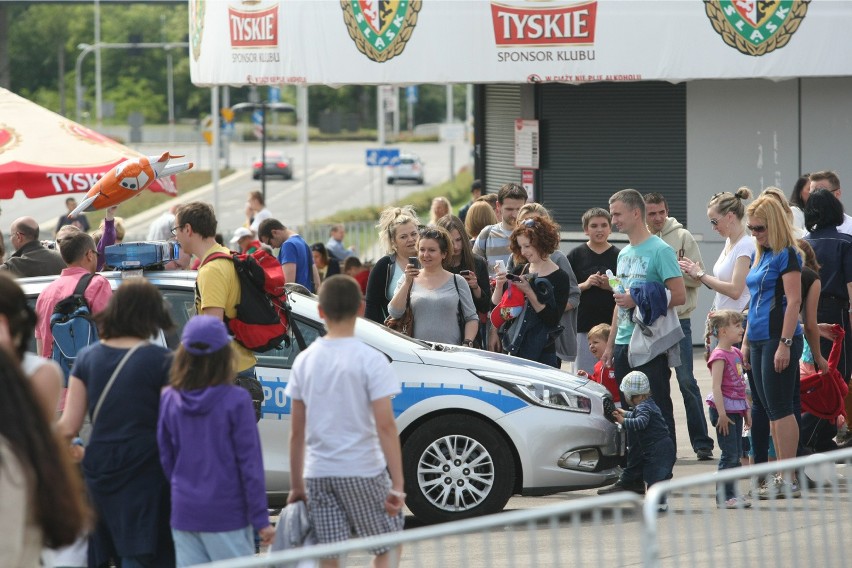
[[756, 27], [380, 28]]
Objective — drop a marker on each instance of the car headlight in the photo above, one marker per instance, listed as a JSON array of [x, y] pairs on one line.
[[538, 392]]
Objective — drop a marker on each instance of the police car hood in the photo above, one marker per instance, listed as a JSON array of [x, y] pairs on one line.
[[477, 359]]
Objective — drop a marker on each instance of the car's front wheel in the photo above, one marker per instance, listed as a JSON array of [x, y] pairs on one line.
[[456, 466]]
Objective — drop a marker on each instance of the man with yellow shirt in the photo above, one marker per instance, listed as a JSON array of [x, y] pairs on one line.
[[217, 288]]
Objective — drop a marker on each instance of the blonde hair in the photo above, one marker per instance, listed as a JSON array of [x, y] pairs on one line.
[[436, 203], [533, 209], [779, 229], [390, 219], [479, 216], [600, 331], [717, 319], [727, 202], [773, 191]]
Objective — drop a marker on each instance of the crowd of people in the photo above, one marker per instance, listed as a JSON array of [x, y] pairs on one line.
[[150, 493]]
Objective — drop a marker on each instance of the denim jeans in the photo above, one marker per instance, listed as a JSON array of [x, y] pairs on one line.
[[731, 446], [659, 376], [696, 423], [201, 547]]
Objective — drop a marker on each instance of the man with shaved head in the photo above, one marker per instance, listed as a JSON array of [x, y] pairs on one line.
[[30, 257]]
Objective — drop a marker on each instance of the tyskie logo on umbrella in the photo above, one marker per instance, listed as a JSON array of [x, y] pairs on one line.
[[756, 27], [380, 28]]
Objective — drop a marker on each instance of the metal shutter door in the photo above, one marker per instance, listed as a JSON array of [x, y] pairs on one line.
[[502, 107], [599, 138]]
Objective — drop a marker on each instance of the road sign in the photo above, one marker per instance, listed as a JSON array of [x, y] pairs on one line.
[[382, 156], [274, 94], [411, 94], [257, 117]]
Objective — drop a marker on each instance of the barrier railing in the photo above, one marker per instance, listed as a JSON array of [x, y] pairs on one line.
[[623, 530]]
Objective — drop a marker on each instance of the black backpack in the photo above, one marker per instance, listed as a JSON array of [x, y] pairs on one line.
[[72, 327]]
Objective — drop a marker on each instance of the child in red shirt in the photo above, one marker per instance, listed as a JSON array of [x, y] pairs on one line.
[[598, 337]]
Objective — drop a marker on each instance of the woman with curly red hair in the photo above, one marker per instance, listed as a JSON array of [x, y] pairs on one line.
[[545, 286]]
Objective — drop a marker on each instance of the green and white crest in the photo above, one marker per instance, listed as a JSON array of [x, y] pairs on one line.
[[756, 27], [380, 28]]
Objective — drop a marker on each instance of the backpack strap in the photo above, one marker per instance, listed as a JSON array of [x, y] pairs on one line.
[[215, 256], [82, 284]]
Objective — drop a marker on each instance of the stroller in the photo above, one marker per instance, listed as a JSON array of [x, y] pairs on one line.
[[823, 401]]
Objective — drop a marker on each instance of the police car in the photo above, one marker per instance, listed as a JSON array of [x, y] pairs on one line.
[[475, 427]]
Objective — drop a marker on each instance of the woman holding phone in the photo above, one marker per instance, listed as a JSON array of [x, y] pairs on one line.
[[398, 235], [435, 292], [471, 267]]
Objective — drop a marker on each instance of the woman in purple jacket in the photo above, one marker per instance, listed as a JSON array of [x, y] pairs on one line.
[[210, 451]]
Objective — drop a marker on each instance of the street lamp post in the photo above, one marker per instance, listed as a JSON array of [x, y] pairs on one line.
[[262, 106]]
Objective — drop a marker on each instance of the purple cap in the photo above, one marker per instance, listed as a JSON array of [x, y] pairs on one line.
[[203, 335]]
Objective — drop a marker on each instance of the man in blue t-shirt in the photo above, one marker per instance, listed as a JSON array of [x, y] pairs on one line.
[[646, 259], [294, 254]]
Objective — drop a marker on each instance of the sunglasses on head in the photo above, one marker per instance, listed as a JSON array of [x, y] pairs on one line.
[[430, 233], [528, 223], [756, 229]]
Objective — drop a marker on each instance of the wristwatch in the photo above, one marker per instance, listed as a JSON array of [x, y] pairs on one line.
[[467, 342], [700, 274], [787, 341]]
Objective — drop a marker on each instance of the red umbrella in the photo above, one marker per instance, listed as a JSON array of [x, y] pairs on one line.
[[44, 154]]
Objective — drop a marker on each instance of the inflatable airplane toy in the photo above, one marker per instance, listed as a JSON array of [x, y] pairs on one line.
[[127, 179]]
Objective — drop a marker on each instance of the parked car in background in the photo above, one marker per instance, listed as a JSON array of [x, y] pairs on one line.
[[275, 163], [409, 168], [476, 427]]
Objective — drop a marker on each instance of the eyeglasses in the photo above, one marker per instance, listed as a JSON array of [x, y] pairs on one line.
[[714, 222], [175, 229], [757, 229]]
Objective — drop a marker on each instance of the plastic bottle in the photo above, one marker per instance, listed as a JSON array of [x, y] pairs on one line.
[[614, 282]]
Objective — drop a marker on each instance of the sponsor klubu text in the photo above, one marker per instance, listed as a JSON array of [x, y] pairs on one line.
[[254, 29], [559, 24], [549, 55]]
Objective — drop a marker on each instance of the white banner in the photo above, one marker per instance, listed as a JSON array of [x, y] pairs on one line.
[[272, 42]]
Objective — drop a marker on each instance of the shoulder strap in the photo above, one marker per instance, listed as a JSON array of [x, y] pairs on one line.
[[456, 282], [216, 256], [83, 283], [112, 379]]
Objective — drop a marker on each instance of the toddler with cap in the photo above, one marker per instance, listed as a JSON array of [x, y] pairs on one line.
[[647, 428], [210, 451]]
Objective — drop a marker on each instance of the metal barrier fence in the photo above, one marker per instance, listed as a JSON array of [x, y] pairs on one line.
[[623, 530], [583, 532], [778, 531], [362, 234]]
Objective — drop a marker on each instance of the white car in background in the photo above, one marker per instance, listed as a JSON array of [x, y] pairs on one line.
[[409, 168], [476, 427]]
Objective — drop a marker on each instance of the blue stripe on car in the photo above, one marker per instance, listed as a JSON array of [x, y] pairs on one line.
[[277, 405]]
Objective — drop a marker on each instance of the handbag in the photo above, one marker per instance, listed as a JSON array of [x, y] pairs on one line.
[[405, 323], [460, 316]]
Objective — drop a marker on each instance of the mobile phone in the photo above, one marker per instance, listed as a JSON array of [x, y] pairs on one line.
[[413, 261], [464, 272], [513, 277]]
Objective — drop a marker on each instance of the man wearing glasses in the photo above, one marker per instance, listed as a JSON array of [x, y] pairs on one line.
[[30, 257], [672, 232], [828, 180]]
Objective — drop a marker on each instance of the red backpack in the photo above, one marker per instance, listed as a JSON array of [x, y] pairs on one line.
[[263, 314]]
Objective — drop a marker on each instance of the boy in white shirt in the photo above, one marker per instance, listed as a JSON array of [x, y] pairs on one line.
[[343, 437]]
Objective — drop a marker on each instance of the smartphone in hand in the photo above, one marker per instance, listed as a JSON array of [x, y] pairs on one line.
[[412, 260], [513, 277], [464, 273]]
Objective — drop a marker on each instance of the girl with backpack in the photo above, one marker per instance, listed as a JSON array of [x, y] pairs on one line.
[[210, 451]]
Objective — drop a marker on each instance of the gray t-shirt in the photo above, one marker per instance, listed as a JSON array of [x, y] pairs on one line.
[[435, 310]]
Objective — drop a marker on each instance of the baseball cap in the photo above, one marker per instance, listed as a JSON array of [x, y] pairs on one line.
[[240, 233], [204, 335], [635, 383]]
